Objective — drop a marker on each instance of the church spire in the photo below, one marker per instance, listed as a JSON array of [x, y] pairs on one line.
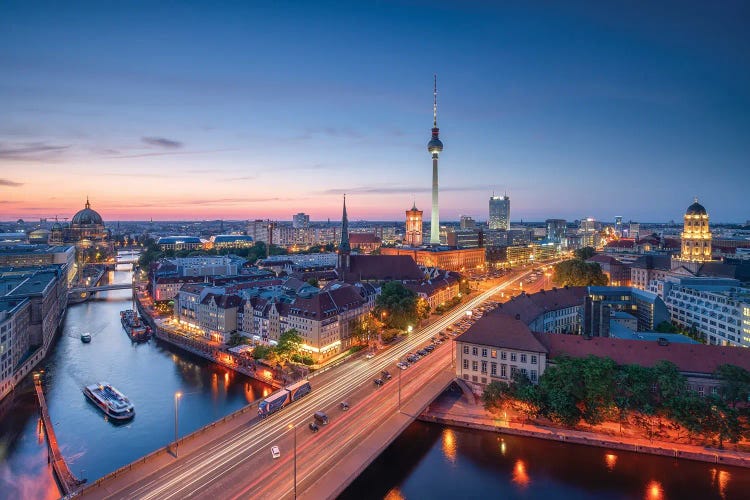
[[88, 205], [344, 245]]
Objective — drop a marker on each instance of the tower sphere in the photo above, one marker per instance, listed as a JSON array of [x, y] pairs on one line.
[[435, 145]]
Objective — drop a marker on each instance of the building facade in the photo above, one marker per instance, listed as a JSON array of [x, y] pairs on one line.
[[499, 212], [696, 235], [413, 233]]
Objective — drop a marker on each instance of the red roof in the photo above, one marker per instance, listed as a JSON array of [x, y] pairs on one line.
[[530, 307], [383, 268], [622, 243], [363, 238], [692, 358], [501, 330]]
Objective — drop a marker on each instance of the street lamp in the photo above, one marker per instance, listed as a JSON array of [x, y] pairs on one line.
[[177, 396], [294, 427]]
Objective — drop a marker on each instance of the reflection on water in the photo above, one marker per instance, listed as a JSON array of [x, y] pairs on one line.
[[449, 444], [149, 374], [431, 461]]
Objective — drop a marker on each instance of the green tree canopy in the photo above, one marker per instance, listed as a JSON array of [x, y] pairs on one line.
[[584, 253], [289, 344], [576, 272], [399, 305]]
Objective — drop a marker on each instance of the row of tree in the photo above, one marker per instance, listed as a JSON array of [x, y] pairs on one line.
[[151, 252], [656, 399], [287, 349], [399, 307]]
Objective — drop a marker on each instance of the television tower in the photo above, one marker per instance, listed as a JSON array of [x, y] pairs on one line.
[[435, 146]]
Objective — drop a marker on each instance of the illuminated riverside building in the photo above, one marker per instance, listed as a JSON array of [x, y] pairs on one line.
[[696, 235], [413, 234]]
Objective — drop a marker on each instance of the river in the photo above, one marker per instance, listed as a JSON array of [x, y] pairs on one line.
[[433, 461], [149, 374]]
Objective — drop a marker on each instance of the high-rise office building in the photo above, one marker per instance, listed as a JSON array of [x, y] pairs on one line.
[[618, 225], [300, 221], [413, 235], [499, 212], [467, 222], [435, 147], [556, 230]]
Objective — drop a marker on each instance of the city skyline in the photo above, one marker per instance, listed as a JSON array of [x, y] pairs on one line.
[[269, 112]]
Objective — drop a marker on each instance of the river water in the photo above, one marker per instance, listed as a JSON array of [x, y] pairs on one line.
[[432, 461], [149, 374]]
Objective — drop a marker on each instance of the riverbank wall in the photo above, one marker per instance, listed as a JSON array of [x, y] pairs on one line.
[[474, 417]]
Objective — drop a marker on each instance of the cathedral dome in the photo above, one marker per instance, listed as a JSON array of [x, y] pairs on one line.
[[87, 216], [696, 209]]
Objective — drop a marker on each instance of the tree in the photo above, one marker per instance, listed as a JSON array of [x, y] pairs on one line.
[[399, 305], [735, 384], [599, 380], [562, 391], [576, 272], [289, 344], [262, 351], [422, 309], [493, 395], [633, 391], [584, 253]]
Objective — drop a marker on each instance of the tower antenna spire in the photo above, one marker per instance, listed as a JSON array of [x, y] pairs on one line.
[[434, 103]]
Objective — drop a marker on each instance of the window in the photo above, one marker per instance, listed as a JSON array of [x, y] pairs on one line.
[[503, 355], [714, 390], [493, 353], [701, 391], [466, 349], [484, 380], [466, 364], [473, 378], [504, 370], [474, 366], [533, 359], [475, 351], [493, 369], [513, 371], [533, 375], [523, 358], [484, 367], [484, 352], [513, 356]]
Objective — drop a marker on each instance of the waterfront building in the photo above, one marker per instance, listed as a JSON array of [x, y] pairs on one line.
[[500, 344], [39, 255], [300, 221], [716, 308], [413, 233], [176, 243], [696, 235], [88, 225], [32, 304], [435, 147], [499, 212]]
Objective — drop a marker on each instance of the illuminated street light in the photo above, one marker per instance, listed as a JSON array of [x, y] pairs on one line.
[[177, 396]]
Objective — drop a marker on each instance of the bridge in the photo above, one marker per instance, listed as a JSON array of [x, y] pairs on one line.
[[100, 288], [232, 458]]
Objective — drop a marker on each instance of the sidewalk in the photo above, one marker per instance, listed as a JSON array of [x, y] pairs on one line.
[[457, 413]]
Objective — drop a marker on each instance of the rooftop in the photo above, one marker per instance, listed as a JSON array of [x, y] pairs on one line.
[[497, 329]]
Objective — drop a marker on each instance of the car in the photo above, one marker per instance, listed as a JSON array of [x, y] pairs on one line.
[[275, 452], [386, 375], [378, 382], [370, 355], [411, 359], [314, 427], [402, 365], [422, 352], [344, 406], [429, 348], [321, 417], [434, 339]]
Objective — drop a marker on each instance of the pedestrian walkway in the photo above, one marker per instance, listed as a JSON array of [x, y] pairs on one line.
[[449, 410], [68, 482]]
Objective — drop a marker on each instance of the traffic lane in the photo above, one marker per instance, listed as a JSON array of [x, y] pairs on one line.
[[203, 471], [342, 435]]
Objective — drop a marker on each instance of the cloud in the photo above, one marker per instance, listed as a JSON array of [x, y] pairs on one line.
[[31, 151], [398, 189], [162, 142], [9, 183], [166, 153], [337, 133]]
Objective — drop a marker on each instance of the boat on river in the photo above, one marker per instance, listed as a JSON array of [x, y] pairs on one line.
[[133, 325], [112, 402]]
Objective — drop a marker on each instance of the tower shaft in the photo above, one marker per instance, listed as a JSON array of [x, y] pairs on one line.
[[435, 218]]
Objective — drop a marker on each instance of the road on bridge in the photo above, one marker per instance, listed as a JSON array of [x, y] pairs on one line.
[[239, 463]]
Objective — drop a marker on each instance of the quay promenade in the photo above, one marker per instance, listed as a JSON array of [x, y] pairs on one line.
[[458, 413], [68, 482]]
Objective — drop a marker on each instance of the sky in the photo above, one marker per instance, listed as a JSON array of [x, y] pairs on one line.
[[240, 110]]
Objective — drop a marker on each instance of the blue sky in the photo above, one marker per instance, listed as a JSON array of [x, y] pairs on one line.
[[244, 109]]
